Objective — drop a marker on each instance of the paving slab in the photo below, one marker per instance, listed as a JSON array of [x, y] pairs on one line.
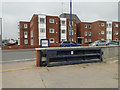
[[89, 75]]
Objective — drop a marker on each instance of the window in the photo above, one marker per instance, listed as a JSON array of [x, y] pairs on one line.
[[102, 39], [116, 32], [107, 25], [31, 41], [25, 35], [102, 32], [52, 40], [110, 25], [85, 40], [85, 33], [102, 24], [110, 32], [63, 22], [51, 30], [89, 33], [116, 25], [42, 20], [85, 25], [25, 41], [63, 31], [25, 26], [89, 40], [51, 20], [89, 26], [107, 32], [42, 30]]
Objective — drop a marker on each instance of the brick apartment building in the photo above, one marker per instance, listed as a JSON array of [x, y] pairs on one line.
[[99, 30], [46, 27], [56, 29]]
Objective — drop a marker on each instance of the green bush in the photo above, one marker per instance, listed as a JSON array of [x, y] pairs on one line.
[[87, 42]]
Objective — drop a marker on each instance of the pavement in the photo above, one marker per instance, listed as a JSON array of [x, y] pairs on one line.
[[89, 75]]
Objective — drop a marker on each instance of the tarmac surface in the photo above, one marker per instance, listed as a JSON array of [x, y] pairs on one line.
[[18, 55], [88, 75]]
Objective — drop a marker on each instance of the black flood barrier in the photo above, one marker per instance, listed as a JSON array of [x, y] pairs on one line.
[[55, 57]]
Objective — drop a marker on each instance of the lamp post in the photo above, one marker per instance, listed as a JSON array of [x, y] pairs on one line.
[[70, 21]]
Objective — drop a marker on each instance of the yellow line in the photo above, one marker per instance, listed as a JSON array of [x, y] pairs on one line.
[[18, 69]]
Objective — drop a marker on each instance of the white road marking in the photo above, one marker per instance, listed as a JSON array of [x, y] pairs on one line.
[[30, 59]]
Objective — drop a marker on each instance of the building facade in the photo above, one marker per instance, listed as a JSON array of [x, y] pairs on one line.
[[41, 26], [56, 30], [24, 36]]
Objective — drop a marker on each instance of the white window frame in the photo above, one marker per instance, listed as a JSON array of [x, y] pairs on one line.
[[51, 29], [89, 40], [25, 41], [42, 30], [90, 33], [25, 34], [50, 20], [31, 41], [102, 32], [85, 33], [43, 21], [52, 41], [85, 25], [110, 25], [116, 33], [102, 24], [116, 25], [25, 25], [62, 23], [90, 26], [86, 40], [63, 30], [110, 32]]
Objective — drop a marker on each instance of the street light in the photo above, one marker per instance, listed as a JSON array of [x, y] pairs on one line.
[[70, 21]]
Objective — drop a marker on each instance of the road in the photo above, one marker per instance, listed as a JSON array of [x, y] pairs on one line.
[[18, 55]]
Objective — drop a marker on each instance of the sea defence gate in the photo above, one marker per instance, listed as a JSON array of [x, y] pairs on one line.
[[68, 55]]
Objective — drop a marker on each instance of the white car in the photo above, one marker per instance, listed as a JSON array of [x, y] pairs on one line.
[[99, 43]]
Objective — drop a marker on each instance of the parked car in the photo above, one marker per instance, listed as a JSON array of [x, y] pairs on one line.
[[69, 44], [2, 44], [113, 43], [99, 43]]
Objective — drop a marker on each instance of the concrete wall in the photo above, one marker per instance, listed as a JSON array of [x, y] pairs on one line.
[[109, 52]]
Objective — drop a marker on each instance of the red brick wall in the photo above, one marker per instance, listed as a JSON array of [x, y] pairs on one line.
[[34, 27], [22, 30], [56, 27], [19, 47], [81, 31], [96, 31], [114, 30]]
